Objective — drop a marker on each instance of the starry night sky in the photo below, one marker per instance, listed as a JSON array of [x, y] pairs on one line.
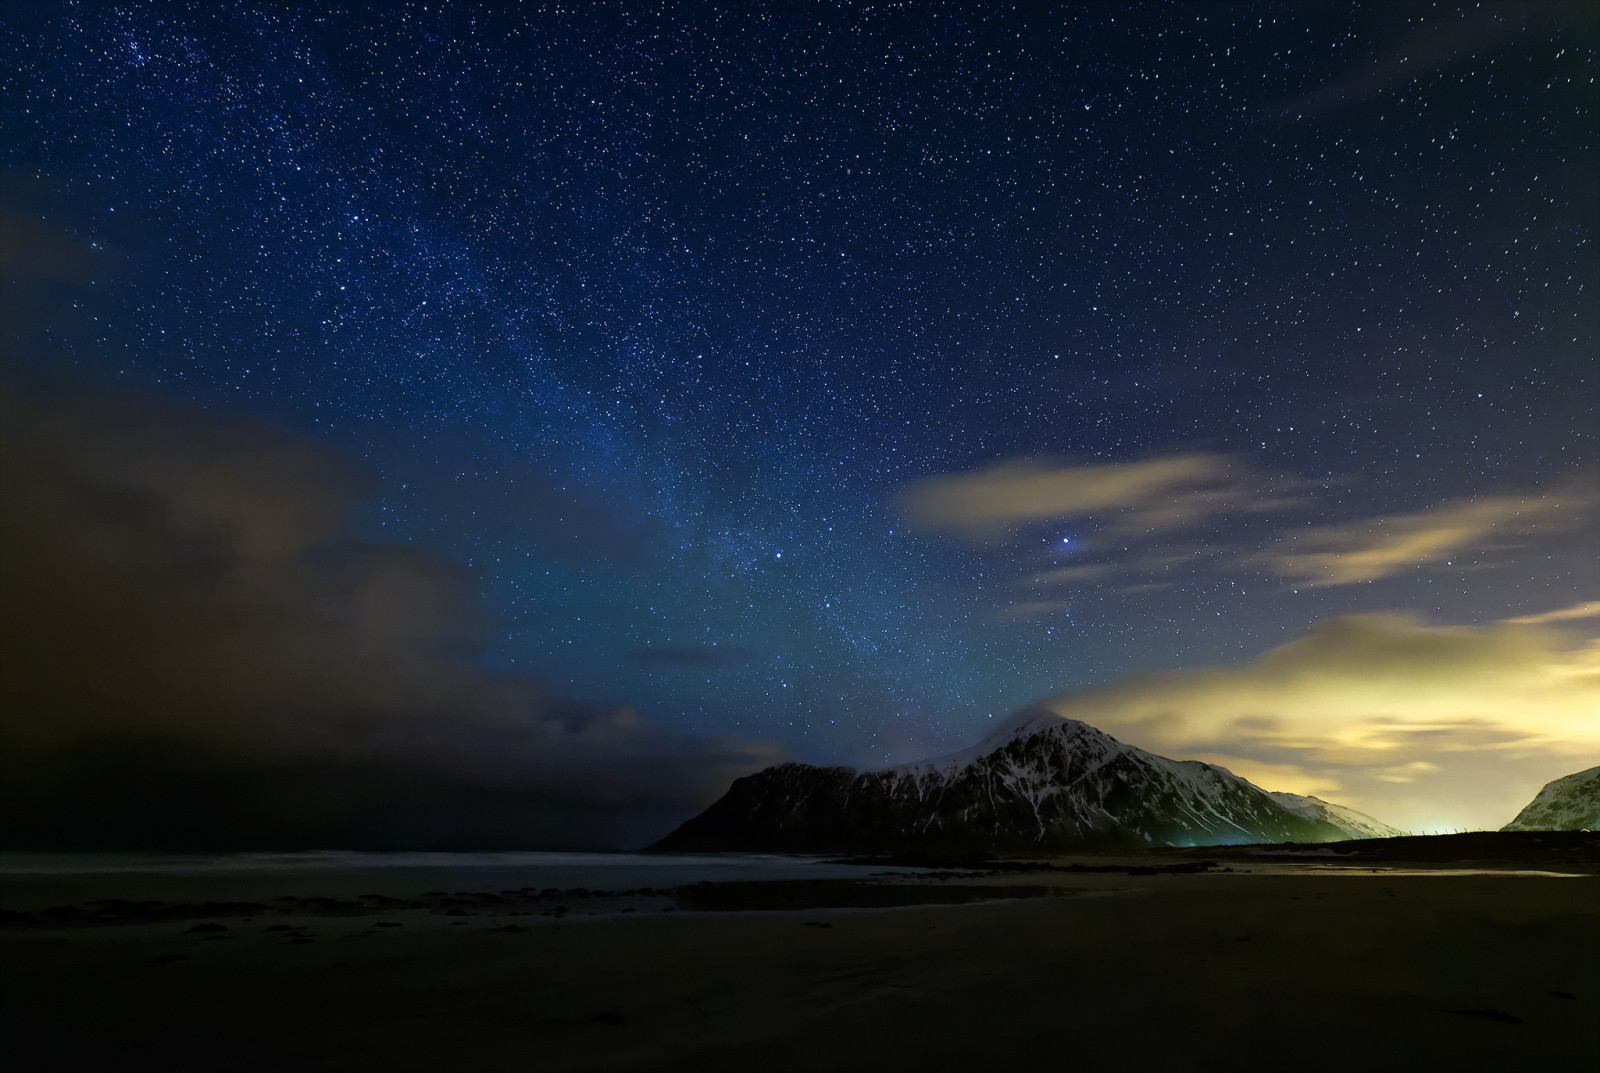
[[671, 323]]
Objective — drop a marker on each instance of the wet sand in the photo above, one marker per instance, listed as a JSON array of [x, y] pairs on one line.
[[1203, 971]]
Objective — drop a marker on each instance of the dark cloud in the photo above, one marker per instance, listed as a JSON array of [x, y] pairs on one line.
[[199, 655], [701, 656], [31, 251]]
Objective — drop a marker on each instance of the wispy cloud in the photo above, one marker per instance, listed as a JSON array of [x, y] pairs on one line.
[[1152, 523], [1151, 495], [1029, 610], [1371, 548], [1073, 575], [1591, 609], [1453, 37]]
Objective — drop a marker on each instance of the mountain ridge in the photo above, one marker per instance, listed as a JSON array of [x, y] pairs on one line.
[[1570, 803], [1040, 782]]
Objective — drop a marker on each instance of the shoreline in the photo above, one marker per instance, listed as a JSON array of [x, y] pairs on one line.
[[1203, 970]]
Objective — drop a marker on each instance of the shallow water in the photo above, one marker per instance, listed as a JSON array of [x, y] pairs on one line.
[[845, 894], [1310, 868]]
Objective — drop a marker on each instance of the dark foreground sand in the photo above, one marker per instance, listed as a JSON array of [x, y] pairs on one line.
[[1167, 972]]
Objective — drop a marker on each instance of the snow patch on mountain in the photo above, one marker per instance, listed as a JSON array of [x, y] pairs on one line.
[[1023, 724], [1354, 824]]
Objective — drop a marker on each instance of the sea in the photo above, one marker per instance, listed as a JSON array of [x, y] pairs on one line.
[[38, 880]]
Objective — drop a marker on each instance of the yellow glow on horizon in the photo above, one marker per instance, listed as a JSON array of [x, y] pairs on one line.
[[1422, 726]]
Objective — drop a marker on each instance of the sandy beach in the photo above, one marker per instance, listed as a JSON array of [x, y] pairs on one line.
[[1216, 971]]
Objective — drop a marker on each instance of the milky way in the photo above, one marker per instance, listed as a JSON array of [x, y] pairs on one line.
[[717, 341]]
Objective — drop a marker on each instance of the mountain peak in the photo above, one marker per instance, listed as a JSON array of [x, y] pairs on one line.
[[1018, 726]]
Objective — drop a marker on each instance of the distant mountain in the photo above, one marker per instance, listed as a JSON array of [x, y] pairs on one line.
[[1041, 783], [1568, 804], [1354, 824]]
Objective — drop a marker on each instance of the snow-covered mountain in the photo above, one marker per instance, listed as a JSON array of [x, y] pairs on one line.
[[1039, 783], [1354, 824], [1567, 804]]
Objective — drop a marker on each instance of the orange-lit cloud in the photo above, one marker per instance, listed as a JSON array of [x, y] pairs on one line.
[[1425, 727]]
